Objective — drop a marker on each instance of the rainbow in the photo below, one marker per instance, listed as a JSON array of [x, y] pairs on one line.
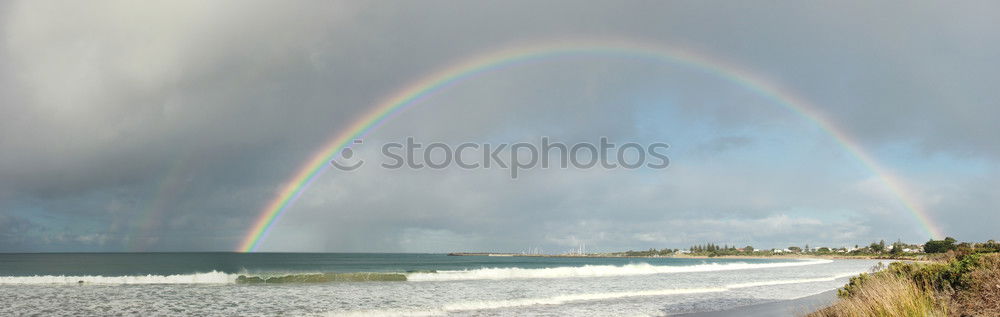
[[139, 235], [420, 90]]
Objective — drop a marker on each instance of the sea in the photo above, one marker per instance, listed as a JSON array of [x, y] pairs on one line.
[[383, 284]]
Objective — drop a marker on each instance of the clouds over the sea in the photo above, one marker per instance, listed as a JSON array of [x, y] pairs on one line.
[[170, 126]]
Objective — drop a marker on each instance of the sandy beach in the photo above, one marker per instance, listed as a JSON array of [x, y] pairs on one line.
[[794, 307]]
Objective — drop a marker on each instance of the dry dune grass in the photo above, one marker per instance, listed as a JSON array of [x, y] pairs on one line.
[[886, 295], [963, 285]]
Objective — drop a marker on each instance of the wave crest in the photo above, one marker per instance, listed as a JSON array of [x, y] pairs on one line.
[[213, 277], [567, 298], [594, 271], [322, 278]]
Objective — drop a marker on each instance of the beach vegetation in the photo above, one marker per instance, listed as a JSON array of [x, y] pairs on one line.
[[940, 246], [960, 282]]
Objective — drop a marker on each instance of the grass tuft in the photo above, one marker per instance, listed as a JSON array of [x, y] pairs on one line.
[[956, 285], [888, 295]]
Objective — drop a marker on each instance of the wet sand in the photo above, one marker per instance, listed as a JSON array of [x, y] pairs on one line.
[[794, 307]]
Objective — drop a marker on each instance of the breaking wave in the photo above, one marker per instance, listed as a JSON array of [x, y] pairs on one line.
[[795, 281], [216, 277], [594, 271], [322, 278], [213, 277], [563, 299], [521, 302]]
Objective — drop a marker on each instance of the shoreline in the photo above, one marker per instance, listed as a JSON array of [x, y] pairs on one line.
[[791, 307], [684, 256], [804, 256]]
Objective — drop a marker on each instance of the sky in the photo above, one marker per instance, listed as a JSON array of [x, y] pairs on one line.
[[170, 126]]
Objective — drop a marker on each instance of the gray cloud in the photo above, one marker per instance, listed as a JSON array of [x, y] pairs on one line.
[[168, 127]]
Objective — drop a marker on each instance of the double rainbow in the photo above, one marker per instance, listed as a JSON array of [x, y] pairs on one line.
[[427, 86]]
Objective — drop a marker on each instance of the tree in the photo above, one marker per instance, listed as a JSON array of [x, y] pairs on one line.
[[897, 248], [877, 247], [748, 249], [964, 248], [940, 246], [990, 246], [795, 249]]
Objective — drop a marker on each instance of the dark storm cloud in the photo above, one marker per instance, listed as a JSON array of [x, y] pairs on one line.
[[209, 107]]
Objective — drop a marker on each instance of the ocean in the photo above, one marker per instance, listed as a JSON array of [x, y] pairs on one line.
[[369, 284]]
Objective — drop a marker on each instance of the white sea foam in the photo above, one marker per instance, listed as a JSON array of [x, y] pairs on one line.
[[563, 299], [568, 298], [521, 302], [594, 271], [587, 271], [792, 281], [213, 277]]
